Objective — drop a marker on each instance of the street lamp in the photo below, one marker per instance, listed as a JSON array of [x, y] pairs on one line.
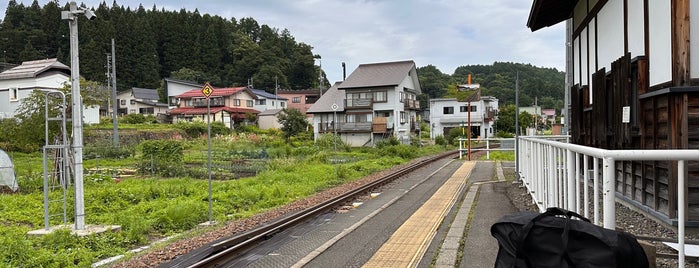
[[71, 16]]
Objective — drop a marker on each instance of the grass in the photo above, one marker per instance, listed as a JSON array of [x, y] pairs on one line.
[[148, 208]]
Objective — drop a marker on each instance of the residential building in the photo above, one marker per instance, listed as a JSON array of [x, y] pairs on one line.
[[46, 75], [375, 102], [269, 119], [300, 100], [228, 105], [449, 113], [175, 87], [634, 84], [266, 101], [139, 101]]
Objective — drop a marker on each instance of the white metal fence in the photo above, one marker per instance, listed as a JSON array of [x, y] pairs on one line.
[[555, 177]]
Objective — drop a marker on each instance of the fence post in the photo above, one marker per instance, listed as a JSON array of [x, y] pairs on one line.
[[681, 205], [608, 194], [571, 181]]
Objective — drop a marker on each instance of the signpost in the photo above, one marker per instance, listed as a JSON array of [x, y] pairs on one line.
[[207, 90], [334, 107]]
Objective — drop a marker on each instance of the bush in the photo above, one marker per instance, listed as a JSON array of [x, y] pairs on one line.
[[198, 129], [391, 141], [163, 157], [133, 119], [440, 140]]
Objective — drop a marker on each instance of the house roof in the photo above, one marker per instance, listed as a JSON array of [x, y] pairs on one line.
[[218, 92], [200, 110], [545, 13], [270, 112], [324, 104], [265, 94], [378, 74], [145, 93], [29, 69], [184, 82], [313, 92]]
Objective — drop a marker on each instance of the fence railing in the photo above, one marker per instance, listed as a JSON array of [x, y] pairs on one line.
[[555, 177], [501, 144]]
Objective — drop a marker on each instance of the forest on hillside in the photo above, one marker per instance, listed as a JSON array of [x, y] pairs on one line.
[[543, 86], [153, 43]]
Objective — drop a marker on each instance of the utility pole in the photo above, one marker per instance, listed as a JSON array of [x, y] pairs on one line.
[[77, 106], [115, 106]]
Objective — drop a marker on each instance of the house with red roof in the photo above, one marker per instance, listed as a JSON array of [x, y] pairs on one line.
[[228, 105]]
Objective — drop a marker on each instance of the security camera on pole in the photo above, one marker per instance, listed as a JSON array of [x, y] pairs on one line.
[[71, 16]]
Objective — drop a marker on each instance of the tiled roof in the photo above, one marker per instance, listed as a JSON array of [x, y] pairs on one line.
[[379, 74], [265, 94], [145, 93], [200, 110], [324, 104], [30, 69], [218, 92]]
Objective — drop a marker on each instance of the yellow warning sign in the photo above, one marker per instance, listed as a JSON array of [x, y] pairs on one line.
[[207, 90]]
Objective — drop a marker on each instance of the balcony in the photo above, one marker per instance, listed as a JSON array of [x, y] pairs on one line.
[[358, 103], [324, 127], [356, 127], [200, 102], [411, 104]]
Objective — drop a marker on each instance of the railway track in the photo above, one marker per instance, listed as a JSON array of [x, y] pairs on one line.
[[218, 252]]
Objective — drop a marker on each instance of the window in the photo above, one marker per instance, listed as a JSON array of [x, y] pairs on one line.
[[236, 102], [401, 96], [448, 110], [282, 104], [146, 111], [122, 102], [380, 96], [133, 102], [14, 94], [464, 109], [296, 100], [249, 103], [402, 117], [262, 102]]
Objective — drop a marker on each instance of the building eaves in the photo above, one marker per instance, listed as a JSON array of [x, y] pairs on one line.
[[324, 104], [545, 13]]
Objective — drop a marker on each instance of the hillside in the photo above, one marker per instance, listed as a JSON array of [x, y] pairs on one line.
[[543, 85]]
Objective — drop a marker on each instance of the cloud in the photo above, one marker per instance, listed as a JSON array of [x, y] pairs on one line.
[[443, 33]]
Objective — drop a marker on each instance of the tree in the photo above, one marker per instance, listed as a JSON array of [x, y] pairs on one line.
[[293, 122]]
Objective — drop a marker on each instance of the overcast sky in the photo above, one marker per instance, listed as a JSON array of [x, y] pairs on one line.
[[443, 33]]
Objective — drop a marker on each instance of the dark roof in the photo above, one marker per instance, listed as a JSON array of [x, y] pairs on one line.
[[265, 94], [378, 74], [545, 13], [184, 82], [34, 68], [145, 93], [324, 104]]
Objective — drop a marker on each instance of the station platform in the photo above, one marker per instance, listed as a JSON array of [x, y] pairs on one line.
[[464, 208]]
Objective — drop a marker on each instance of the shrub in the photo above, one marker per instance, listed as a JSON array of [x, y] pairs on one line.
[[133, 119], [391, 141], [440, 140], [163, 157]]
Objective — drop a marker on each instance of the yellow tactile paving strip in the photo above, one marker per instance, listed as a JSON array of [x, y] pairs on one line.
[[407, 245]]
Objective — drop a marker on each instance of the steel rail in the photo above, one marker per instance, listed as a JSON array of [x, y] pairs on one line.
[[222, 250]]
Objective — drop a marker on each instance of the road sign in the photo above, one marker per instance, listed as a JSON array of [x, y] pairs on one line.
[[207, 90], [334, 107]]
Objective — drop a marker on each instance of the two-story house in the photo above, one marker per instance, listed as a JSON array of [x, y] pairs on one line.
[[449, 113], [228, 105], [46, 75], [301, 100], [634, 84], [268, 101], [376, 101], [140, 101], [174, 87]]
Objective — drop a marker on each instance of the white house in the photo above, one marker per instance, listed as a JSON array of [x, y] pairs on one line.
[[47, 75], [267, 101], [376, 101], [140, 101], [174, 87], [448, 113]]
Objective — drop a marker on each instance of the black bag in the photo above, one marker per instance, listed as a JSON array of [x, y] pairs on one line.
[[552, 239]]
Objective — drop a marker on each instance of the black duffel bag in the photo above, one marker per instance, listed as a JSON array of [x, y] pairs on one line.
[[552, 239]]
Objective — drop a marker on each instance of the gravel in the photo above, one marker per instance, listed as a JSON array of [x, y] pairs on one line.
[[171, 251]]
